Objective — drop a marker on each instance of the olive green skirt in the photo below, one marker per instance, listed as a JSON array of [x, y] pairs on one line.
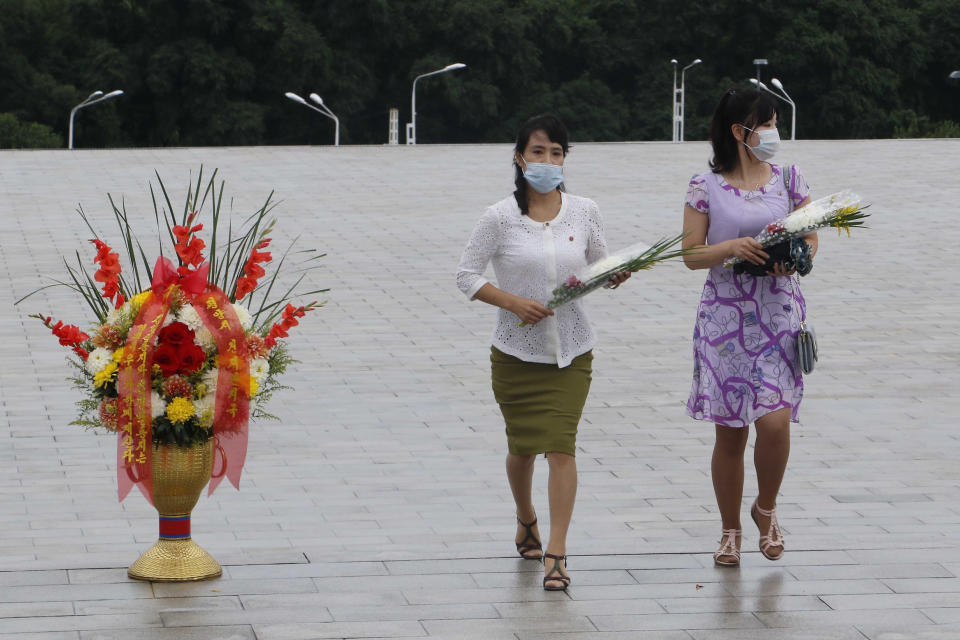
[[541, 403]]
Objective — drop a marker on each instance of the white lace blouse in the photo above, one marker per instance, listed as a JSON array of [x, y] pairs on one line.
[[530, 259]]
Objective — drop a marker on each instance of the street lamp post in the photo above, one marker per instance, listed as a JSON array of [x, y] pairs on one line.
[[674, 126], [793, 107], [93, 98], [323, 110], [785, 97], [683, 102], [412, 125], [336, 121], [759, 62]]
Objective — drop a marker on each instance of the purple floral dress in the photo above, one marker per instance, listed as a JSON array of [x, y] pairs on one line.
[[744, 341]]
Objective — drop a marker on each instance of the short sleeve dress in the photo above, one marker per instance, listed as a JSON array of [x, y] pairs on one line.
[[744, 340]]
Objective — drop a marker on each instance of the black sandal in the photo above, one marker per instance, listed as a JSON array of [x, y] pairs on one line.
[[559, 577], [524, 547]]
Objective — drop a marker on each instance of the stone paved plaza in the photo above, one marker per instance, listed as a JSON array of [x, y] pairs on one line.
[[377, 507]]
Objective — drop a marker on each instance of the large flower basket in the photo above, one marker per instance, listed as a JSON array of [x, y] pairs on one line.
[[178, 365]]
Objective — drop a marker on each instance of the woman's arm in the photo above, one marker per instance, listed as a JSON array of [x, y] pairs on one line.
[[527, 309], [704, 256]]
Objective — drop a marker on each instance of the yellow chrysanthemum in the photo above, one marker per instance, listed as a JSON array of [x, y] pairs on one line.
[[105, 375], [118, 354], [254, 387], [179, 410]]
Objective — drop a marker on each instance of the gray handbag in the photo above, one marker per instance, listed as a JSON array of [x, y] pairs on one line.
[[807, 338], [806, 348]]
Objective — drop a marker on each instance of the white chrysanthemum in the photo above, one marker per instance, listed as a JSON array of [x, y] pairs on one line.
[[602, 266], [157, 405], [244, 316], [189, 316], [168, 320], [210, 378], [205, 408], [259, 368], [205, 339], [803, 219], [98, 359]]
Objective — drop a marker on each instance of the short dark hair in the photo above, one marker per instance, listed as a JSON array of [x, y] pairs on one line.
[[556, 132], [748, 107]]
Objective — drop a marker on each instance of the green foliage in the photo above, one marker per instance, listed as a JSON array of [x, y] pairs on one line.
[[213, 72], [922, 127], [26, 135], [182, 434], [278, 360]]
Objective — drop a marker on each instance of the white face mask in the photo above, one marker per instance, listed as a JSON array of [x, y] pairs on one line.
[[768, 145]]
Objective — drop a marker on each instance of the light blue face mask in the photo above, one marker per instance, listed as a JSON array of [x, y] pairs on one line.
[[543, 177]]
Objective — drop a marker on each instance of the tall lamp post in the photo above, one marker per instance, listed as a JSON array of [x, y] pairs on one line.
[[93, 98], [674, 120], [323, 110], [759, 62], [683, 102], [412, 125], [785, 97]]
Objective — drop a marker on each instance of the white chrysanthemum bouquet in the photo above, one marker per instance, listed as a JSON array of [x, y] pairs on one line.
[[634, 258], [843, 210]]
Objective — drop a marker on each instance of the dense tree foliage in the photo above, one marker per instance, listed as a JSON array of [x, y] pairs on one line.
[[213, 72]]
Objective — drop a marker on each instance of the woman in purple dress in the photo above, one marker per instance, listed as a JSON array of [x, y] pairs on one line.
[[744, 341]]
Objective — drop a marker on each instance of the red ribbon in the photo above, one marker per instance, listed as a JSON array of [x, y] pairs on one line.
[[191, 282], [232, 405]]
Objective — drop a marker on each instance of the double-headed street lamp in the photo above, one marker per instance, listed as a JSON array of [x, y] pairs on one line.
[[678, 105], [93, 98], [323, 109], [785, 97], [412, 125]]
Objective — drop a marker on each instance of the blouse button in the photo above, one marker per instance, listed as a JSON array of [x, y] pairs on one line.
[[546, 224]]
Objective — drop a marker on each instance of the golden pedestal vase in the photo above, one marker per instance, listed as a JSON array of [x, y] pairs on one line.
[[179, 476]]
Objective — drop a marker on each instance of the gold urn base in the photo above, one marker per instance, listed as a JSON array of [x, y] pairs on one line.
[[175, 561], [179, 475]]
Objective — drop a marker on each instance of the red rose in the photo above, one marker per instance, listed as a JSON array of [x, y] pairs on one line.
[[176, 333], [191, 357], [167, 358]]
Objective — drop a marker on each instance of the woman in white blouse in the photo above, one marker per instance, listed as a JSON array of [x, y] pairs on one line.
[[541, 372]]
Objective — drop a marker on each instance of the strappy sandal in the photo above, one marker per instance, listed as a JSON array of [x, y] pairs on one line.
[[728, 555], [530, 541], [774, 537], [559, 577]]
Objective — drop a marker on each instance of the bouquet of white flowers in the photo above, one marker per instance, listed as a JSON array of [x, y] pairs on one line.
[[595, 275], [843, 210]]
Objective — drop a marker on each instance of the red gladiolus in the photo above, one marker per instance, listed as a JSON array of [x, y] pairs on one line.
[[252, 271], [109, 272], [189, 250], [289, 320], [69, 335]]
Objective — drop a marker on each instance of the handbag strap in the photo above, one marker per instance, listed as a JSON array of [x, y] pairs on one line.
[[787, 175], [796, 304]]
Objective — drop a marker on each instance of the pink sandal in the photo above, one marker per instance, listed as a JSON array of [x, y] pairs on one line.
[[774, 537], [728, 555]]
